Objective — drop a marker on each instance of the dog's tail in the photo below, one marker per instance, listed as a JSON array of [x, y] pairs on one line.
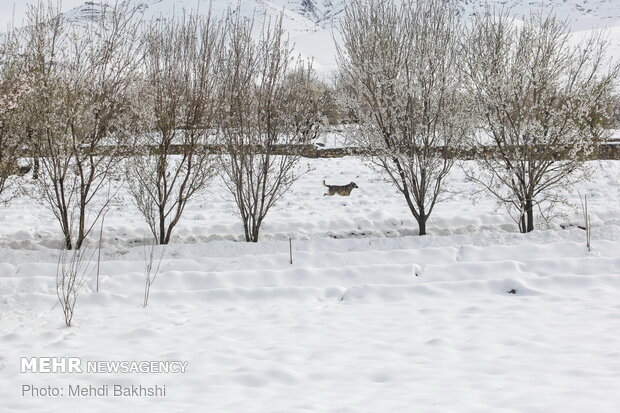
[[324, 184]]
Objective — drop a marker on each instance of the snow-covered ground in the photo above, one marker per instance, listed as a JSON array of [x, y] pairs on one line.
[[369, 318]]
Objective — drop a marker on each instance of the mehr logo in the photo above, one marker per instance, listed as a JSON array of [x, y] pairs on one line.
[[75, 365], [51, 365]]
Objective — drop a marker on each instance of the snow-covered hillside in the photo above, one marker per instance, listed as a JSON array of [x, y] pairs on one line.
[[311, 24], [317, 15]]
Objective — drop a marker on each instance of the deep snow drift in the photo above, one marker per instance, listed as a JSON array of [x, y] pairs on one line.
[[369, 317]]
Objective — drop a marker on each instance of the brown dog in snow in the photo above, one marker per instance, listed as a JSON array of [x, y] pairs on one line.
[[342, 190]]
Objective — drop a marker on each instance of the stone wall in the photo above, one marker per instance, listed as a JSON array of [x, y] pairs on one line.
[[607, 151]]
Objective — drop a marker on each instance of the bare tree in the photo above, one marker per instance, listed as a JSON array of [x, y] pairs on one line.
[[541, 105], [399, 69], [257, 116], [182, 65], [587, 222], [99, 246], [72, 272], [85, 111], [150, 270]]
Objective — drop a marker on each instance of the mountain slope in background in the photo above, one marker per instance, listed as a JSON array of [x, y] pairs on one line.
[[317, 15], [311, 23]]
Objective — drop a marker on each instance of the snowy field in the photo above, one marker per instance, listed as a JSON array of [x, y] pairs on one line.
[[369, 318]]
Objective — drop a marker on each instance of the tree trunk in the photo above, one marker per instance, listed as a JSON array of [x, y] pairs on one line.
[[82, 226], [66, 229], [36, 168], [68, 243], [421, 218], [422, 225], [162, 226], [255, 231], [246, 228], [529, 210]]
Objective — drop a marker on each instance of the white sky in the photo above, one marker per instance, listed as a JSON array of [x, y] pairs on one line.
[[16, 9]]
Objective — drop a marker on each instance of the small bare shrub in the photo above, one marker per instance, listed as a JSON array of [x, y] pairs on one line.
[[152, 268], [72, 271]]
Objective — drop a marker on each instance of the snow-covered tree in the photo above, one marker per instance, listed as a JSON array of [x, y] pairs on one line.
[[182, 65], [258, 114], [15, 84], [12, 87], [541, 103], [309, 100], [83, 111], [399, 71]]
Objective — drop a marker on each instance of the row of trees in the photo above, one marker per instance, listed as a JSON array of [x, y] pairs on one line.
[[89, 103], [95, 96], [423, 87]]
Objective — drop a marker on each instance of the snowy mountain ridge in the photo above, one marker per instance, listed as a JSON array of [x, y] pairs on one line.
[[311, 24], [318, 15]]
